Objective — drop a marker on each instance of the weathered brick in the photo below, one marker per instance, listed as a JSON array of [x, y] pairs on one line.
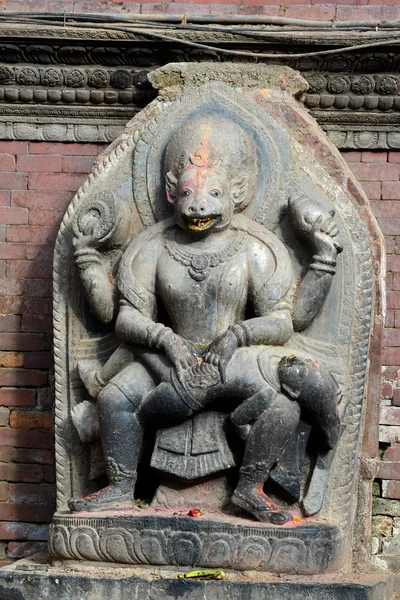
[[37, 216], [391, 489], [59, 148], [30, 420], [28, 269], [386, 209], [318, 13], [23, 341], [4, 416], [25, 549], [42, 199], [21, 438], [7, 162], [39, 252], [391, 190], [23, 531], [3, 491], [24, 455], [39, 163], [396, 397], [376, 172], [373, 157], [31, 493], [351, 156], [11, 359], [388, 470], [50, 473], [38, 360], [373, 189], [394, 157], [382, 506], [13, 251], [21, 233], [80, 164], [22, 377], [381, 526], [30, 287], [391, 356], [10, 323], [45, 399], [368, 13], [11, 147], [386, 390], [391, 547], [59, 181], [13, 215], [389, 226], [13, 397], [36, 513], [389, 434], [20, 472], [13, 181], [37, 323]]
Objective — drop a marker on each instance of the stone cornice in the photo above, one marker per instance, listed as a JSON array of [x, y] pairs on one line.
[[83, 84]]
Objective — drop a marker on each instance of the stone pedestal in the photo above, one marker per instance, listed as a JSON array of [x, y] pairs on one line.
[[34, 580], [218, 541]]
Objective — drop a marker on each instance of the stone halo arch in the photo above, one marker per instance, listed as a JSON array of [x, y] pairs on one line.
[[269, 190]]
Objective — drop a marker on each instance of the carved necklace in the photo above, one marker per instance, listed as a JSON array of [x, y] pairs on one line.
[[200, 265]]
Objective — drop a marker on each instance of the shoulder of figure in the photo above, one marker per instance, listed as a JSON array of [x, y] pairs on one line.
[[142, 253], [261, 237]]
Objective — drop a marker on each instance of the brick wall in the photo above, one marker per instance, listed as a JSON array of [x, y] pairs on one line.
[[37, 182], [342, 10]]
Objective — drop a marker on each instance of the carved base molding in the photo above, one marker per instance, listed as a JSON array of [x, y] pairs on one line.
[[187, 542]]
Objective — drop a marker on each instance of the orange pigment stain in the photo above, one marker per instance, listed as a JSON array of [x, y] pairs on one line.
[[264, 92]]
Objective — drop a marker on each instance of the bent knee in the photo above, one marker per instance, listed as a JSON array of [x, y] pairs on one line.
[[112, 398]]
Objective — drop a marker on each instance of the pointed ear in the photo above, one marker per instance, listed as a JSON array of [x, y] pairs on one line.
[[289, 390], [239, 189], [170, 186]]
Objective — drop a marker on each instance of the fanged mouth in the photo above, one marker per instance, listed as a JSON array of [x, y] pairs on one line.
[[202, 224]]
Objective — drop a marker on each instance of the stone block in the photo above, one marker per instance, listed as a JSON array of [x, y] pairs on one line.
[[381, 506], [389, 433], [392, 453], [391, 547], [391, 489], [375, 545], [26, 581], [382, 526]]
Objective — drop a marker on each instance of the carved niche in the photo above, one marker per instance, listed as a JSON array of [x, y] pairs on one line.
[[294, 178]]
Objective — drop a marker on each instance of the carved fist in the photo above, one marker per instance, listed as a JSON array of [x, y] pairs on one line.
[[221, 351], [317, 229], [180, 352]]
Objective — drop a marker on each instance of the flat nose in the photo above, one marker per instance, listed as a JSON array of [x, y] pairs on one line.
[[197, 205]]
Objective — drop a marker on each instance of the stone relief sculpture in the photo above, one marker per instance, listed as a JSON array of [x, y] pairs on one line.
[[220, 274]]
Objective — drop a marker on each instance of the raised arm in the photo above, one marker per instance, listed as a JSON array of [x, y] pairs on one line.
[[318, 230]]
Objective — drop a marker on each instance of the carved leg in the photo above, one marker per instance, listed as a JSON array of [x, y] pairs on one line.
[[265, 443], [121, 436]]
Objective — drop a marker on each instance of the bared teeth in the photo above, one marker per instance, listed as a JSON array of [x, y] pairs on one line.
[[200, 224]]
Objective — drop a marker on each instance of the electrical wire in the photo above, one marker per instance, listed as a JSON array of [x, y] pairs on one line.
[[199, 45]]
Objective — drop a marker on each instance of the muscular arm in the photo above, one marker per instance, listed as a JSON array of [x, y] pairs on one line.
[[97, 287], [310, 297], [270, 279]]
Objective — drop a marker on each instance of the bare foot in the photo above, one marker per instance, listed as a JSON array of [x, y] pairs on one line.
[[259, 506], [116, 495]]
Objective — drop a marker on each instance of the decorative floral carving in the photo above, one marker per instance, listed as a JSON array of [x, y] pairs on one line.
[[75, 78], [99, 78], [52, 77], [317, 83], [339, 84], [363, 84], [387, 84], [122, 78], [6, 76], [28, 76]]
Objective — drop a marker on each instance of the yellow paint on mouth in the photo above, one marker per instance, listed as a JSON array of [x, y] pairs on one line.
[[200, 224]]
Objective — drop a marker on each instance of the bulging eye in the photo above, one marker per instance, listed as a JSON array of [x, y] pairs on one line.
[[214, 193], [187, 192]]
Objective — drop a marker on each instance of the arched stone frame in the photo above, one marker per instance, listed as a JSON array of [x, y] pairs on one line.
[[285, 110]]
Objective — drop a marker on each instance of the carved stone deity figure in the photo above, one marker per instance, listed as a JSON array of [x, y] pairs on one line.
[[223, 270]]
